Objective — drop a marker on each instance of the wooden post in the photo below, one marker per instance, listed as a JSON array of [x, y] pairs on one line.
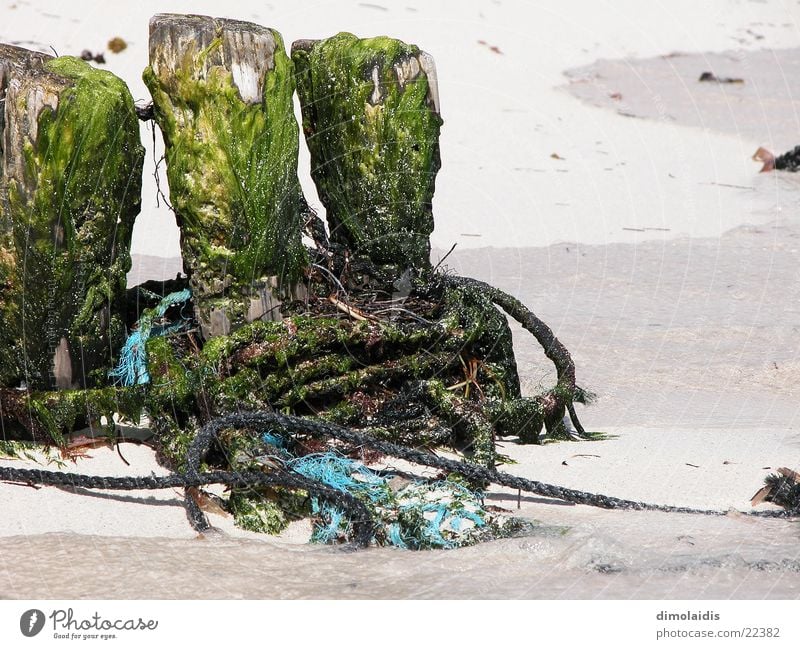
[[371, 119], [70, 189], [222, 91]]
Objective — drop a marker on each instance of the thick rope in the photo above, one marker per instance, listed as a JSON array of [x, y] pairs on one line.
[[363, 528], [357, 512], [262, 420]]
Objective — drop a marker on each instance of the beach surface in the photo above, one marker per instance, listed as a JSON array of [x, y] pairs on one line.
[[694, 366], [636, 226]]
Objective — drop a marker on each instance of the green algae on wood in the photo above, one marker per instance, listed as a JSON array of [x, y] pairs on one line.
[[49, 417], [371, 119], [69, 193], [222, 92]]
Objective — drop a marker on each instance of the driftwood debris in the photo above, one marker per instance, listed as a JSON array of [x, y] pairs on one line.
[[789, 161]]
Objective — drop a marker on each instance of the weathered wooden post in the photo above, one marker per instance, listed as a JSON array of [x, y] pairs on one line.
[[222, 91], [371, 119], [70, 188]]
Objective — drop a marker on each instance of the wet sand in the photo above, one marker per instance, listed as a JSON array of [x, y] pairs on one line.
[[575, 555], [758, 102]]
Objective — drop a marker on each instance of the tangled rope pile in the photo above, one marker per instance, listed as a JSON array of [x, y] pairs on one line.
[[347, 515], [418, 515]]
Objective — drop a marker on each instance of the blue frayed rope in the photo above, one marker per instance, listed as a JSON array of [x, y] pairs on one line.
[[421, 515], [132, 366]]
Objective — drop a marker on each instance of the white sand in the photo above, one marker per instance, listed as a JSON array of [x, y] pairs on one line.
[[689, 335]]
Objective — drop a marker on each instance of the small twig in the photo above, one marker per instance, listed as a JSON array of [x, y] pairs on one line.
[[398, 309], [332, 276], [160, 193], [119, 452], [157, 164], [470, 377], [441, 261], [193, 341], [730, 185], [349, 310]]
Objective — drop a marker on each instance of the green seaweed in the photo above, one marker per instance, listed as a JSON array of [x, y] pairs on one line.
[[71, 224], [522, 417], [373, 143], [488, 340], [10, 343], [448, 381], [268, 511], [56, 414], [232, 172]]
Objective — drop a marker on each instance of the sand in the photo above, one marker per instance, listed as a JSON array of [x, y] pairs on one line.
[[652, 247], [689, 345]]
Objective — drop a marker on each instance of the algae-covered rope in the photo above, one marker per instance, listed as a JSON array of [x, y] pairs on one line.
[[357, 512], [132, 483], [263, 420], [562, 395]]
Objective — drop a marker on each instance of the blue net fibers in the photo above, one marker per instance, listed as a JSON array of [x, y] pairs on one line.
[[132, 366], [273, 439], [441, 514], [343, 474]]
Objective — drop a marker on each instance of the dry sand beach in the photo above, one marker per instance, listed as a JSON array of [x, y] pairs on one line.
[[650, 244]]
